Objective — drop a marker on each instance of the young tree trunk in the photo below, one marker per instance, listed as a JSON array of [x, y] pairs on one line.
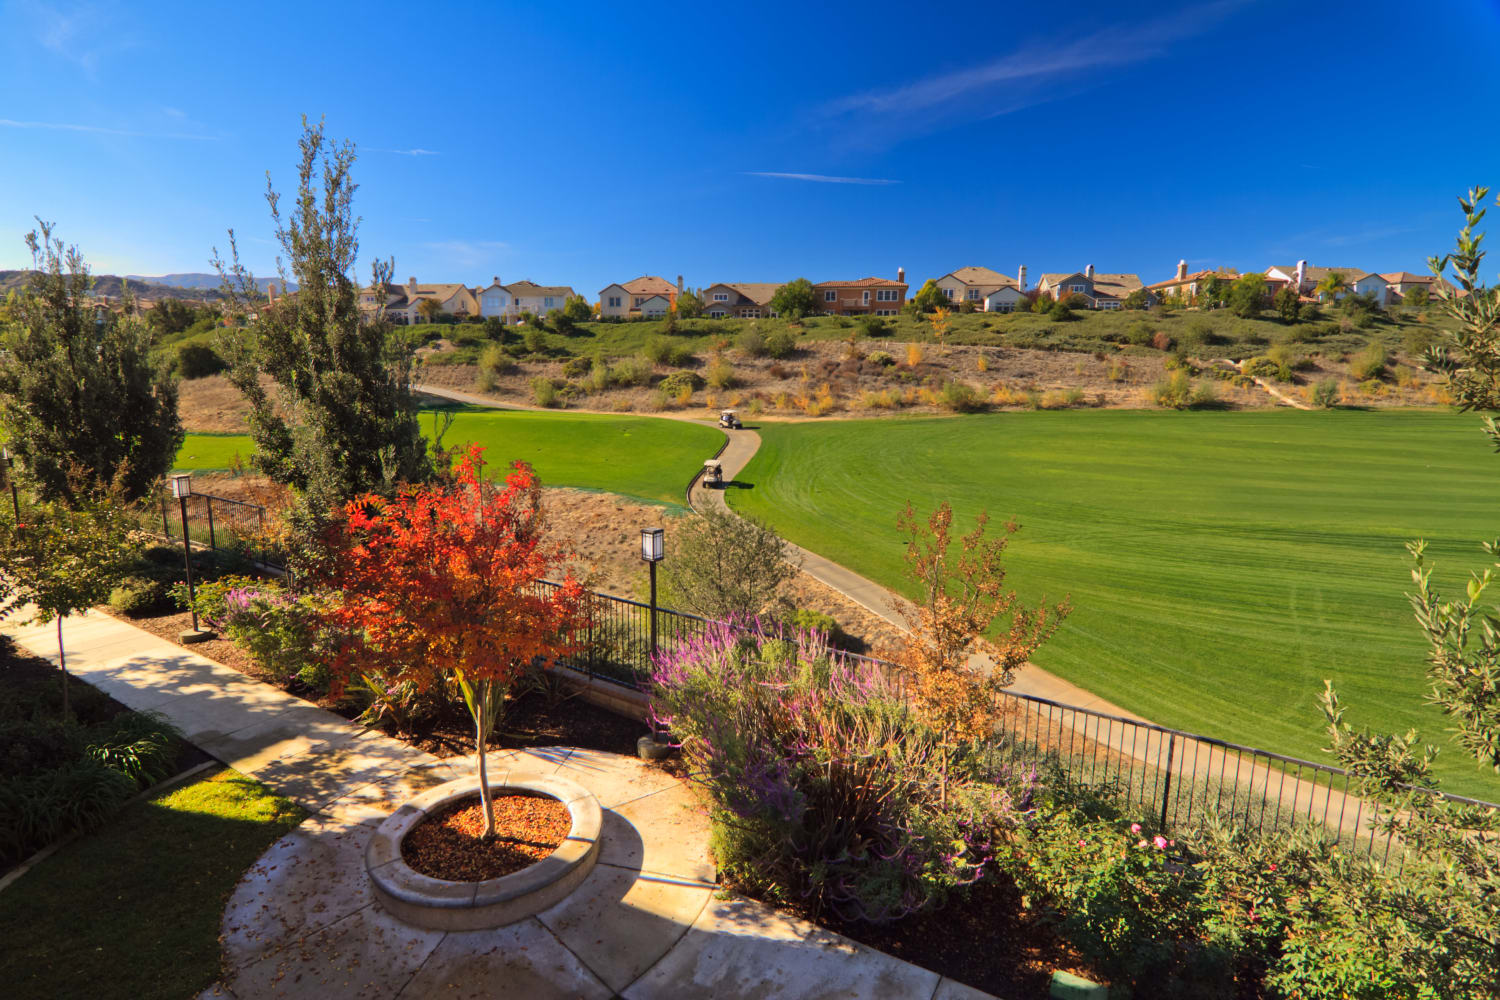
[[482, 738], [62, 661]]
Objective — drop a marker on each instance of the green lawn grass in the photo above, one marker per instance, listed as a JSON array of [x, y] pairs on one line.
[[1222, 564], [647, 458], [133, 910]]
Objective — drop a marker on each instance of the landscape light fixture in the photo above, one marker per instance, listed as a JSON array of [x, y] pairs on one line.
[[10, 477], [653, 551], [182, 488]]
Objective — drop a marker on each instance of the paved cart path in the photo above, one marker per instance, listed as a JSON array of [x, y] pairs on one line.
[[649, 922]]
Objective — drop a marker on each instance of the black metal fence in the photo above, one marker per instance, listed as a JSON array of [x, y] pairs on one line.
[[1172, 776], [221, 523]]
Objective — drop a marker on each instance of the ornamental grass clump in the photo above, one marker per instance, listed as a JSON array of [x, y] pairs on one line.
[[827, 789]]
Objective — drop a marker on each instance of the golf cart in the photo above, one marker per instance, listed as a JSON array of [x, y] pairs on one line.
[[729, 420], [713, 473]]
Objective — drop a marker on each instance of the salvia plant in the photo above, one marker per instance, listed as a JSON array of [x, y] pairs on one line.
[[826, 788]]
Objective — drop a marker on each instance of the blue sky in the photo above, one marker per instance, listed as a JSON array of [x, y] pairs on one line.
[[588, 143]]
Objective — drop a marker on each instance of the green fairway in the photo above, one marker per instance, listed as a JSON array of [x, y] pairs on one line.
[[1221, 564], [638, 456]]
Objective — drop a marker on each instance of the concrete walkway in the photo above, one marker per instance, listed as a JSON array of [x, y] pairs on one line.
[[648, 922]]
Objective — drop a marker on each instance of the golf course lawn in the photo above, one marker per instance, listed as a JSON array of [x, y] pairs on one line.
[[1221, 564], [650, 459]]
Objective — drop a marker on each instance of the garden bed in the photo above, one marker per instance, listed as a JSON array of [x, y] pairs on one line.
[[450, 844]]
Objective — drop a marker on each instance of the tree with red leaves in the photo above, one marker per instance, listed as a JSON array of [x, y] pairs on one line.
[[439, 582]]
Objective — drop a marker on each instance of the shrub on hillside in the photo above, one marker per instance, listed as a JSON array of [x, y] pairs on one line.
[[882, 358], [751, 342], [664, 350], [544, 391], [961, 397], [1325, 394], [198, 361], [1177, 392], [721, 374], [1369, 363], [780, 343], [676, 382]]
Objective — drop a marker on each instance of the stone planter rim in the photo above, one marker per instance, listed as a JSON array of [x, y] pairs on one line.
[[437, 903]]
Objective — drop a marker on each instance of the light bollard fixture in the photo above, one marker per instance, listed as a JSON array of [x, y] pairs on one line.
[[9, 461], [653, 550], [182, 488]]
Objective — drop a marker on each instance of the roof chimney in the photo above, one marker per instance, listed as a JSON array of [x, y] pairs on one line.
[[901, 275], [1088, 272], [1301, 274], [679, 284], [271, 292], [1021, 277], [1182, 270], [497, 279], [411, 282]]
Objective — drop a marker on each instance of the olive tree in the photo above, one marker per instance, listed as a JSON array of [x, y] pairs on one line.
[[721, 566]]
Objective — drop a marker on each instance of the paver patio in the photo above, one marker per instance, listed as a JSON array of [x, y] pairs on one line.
[[649, 921]]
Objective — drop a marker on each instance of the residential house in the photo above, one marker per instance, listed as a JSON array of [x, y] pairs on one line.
[[403, 303], [1103, 291], [1306, 278], [744, 300], [510, 301], [1399, 283], [981, 286], [624, 301], [654, 306], [1186, 285], [539, 300], [864, 296]]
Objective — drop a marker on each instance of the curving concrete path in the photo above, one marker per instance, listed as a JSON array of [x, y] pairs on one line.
[[649, 922]]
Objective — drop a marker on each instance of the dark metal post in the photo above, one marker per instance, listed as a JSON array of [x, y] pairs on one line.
[[653, 610], [165, 528], [10, 477], [187, 562], [1166, 788], [208, 502]]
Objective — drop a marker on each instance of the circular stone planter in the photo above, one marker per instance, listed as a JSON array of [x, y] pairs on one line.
[[462, 906]]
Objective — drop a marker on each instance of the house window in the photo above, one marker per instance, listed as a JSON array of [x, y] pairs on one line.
[[1107, 304], [750, 314], [972, 295], [864, 297], [1076, 288], [638, 302], [887, 295], [716, 313], [1004, 307], [721, 296], [614, 301], [548, 301], [948, 294], [885, 312], [830, 296]]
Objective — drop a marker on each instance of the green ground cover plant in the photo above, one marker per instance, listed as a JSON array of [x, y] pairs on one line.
[[132, 911], [1222, 564], [636, 456]]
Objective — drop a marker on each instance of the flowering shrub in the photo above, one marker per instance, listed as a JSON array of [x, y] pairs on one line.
[[278, 628], [825, 787]]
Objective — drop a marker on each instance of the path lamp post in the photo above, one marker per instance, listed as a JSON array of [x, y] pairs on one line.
[[652, 551], [10, 477], [182, 488]]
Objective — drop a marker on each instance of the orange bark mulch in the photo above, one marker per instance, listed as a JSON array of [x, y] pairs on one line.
[[449, 845]]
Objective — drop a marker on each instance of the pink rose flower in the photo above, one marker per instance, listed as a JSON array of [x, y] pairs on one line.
[[1141, 844], [1135, 828], [1080, 843], [1160, 842]]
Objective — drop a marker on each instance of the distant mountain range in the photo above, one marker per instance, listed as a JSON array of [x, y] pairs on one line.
[[197, 287], [200, 280]]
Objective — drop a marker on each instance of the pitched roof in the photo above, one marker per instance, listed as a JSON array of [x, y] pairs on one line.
[[531, 288], [862, 283], [1316, 274], [1053, 279], [759, 292], [649, 284], [1407, 278], [441, 292], [1116, 285], [1227, 274], [980, 276]]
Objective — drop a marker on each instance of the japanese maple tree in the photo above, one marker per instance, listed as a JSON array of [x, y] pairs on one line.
[[439, 582]]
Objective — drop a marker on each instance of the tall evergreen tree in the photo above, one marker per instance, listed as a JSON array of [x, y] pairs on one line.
[[81, 401], [344, 420]]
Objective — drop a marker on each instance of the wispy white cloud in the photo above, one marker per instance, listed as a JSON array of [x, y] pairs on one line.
[[468, 253], [406, 152], [174, 112], [103, 130], [83, 33], [1039, 72], [819, 178]]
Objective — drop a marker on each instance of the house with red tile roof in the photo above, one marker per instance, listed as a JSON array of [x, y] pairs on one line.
[[862, 296], [624, 301]]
